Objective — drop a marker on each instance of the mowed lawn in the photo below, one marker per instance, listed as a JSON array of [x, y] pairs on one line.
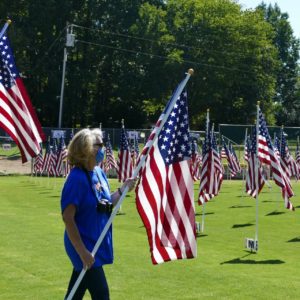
[[34, 265]]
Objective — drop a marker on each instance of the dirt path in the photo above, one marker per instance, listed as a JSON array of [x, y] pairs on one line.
[[14, 166]]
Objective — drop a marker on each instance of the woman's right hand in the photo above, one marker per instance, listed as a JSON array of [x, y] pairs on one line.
[[87, 259], [73, 233]]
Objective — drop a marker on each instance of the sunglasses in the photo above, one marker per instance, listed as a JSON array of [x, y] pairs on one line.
[[99, 144]]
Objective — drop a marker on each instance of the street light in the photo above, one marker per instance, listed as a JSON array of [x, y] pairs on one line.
[[70, 41]]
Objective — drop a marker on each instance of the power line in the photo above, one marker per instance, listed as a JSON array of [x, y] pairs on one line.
[[163, 57], [49, 49], [163, 42]]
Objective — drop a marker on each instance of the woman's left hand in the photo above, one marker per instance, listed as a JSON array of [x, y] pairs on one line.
[[130, 183]]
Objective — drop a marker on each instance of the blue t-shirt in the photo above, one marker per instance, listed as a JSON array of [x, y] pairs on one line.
[[78, 191]]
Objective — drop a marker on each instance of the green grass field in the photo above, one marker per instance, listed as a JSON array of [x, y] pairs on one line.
[[34, 265]]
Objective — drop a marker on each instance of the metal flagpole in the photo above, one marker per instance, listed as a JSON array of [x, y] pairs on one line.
[[135, 174], [203, 208], [256, 176], [70, 40], [244, 169], [4, 28]]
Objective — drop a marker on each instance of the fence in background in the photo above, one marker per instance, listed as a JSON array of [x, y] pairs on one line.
[[10, 154]]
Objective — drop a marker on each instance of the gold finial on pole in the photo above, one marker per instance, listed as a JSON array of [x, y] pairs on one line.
[[207, 110], [8, 21], [191, 71], [258, 103]]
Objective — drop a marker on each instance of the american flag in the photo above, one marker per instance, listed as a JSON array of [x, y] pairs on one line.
[[17, 116], [235, 160], [288, 163], [66, 165], [276, 147], [297, 154], [49, 161], [134, 151], [124, 157], [110, 162], [253, 164], [38, 162], [267, 155], [61, 157], [164, 195], [196, 161], [223, 153], [284, 157], [211, 175], [230, 159], [246, 143]]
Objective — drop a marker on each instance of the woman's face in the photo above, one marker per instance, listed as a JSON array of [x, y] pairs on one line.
[[98, 143], [99, 150]]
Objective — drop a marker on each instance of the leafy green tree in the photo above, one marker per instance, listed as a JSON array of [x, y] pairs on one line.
[[230, 50], [286, 95]]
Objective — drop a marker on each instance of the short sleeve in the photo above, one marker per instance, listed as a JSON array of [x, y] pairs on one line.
[[72, 190]]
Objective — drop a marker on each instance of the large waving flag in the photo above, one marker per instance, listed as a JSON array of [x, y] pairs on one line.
[[124, 157], [267, 155], [17, 116], [165, 198]]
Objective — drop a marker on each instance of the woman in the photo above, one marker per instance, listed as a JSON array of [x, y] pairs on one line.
[[86, 204]]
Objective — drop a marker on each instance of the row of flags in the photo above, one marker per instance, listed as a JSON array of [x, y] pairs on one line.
[[276, 157], [54, 162]]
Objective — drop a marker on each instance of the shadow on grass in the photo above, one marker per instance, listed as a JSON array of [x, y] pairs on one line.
[[120, 213], [240, 206], [200, 235], [253, 262], [54, 196], [266, 201], [29, 185], [242, 225], [297, 206], [295, 240], [275, 213], [200, 214]]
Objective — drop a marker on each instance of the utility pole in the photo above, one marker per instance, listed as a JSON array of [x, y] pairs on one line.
[[70, 41]]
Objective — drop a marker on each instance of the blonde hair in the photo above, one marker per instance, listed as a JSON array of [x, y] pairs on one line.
[[81, 150], [97, 132]]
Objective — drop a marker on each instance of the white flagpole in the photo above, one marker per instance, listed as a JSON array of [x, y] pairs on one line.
[[244, 169], [256, 175], [135, 174], [4, 28], [203, 208]]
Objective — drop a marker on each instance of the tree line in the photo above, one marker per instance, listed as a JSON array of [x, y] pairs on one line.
[[129, 55]]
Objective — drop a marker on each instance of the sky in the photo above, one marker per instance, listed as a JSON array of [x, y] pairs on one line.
[[292, 7]]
